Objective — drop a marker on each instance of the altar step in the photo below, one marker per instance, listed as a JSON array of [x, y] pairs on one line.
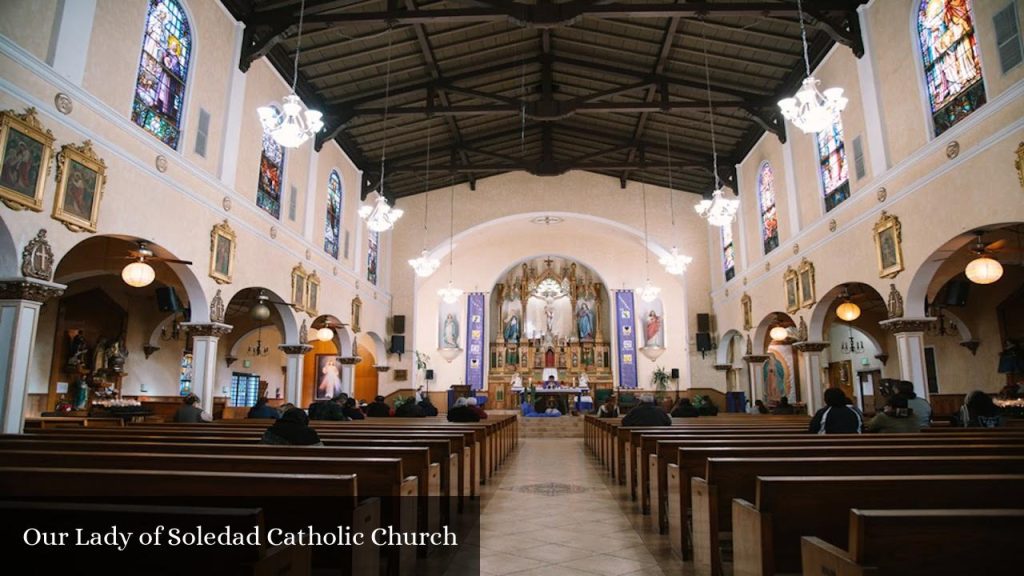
[[561, 427]]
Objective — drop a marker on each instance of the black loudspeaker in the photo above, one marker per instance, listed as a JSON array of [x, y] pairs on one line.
[[430, 374], [398, 324], [703, 341], [675, 374], [703, 322], [167, 299], [397, 344], [956, 293]]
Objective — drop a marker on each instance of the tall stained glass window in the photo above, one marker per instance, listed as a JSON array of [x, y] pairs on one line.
[[952, 68], [332, 225], [835, 174], [766, 200], [163, 71], [728, 253], [371, 256], [268, 189]]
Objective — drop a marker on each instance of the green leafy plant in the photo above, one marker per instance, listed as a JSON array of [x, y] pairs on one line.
[[660, 380], [422, 360]]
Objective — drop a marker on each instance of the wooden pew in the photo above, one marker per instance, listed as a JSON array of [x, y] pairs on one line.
[[766, 536], [257, 560], [336, 499], [730, 478], [904, 542]]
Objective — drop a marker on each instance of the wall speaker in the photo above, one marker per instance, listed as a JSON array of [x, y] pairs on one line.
[[397, 344], [675, 374], [398, 324], [167, 299], [703, 342], [956, 293], [703, 322], [430, 374]]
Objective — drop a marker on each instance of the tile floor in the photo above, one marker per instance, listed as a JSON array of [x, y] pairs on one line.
[[552, 511]]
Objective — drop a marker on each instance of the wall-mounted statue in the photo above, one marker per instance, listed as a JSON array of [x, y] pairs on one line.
[[895, 304]]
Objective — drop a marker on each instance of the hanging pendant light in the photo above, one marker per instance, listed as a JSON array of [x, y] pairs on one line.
[[425, 265], [138, 274], [380, 216], [451, 294], [648, 292], [294, 123], [325, 334], [811, 110], [778, 334], [848, 311], [984, 270], [720, 209], [674, 263]]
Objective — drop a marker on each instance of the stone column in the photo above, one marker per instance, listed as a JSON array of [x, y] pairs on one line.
[[204, 358], [810, 373], [20, 303], [754, 362], [909, 334], [296, 362]]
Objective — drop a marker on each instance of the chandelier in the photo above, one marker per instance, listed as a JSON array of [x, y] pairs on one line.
[[380, 216], [674, 263], [851, 345], [811, 110], [425, 265], [719, 210], [294, 123], [648, 292], [258, 349], [451, 294]]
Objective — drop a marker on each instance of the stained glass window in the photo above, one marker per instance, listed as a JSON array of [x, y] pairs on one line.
[[163, 71], [835, 174], [766, 200], [268, 190], [185, 375], [728, 253], [371, 257], [332, 226], [245, 389], [952, 69]]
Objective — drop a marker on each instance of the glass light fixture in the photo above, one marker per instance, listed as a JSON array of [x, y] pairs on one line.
[[325, 334], [260, 311], [984, 270], [295, 123], [380, 216], [719, 210], [778, 334], [674, 263], [138, 274], [425, 265], [648, 292], [451, 294], [848, 311], [811, 110]]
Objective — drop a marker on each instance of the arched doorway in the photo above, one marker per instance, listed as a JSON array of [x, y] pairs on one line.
[[323, 375], [366, 374]]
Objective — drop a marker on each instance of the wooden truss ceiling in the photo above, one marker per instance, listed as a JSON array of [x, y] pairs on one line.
[[544, 86]]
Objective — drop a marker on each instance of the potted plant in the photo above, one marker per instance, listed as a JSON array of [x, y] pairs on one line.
[[660, 380]]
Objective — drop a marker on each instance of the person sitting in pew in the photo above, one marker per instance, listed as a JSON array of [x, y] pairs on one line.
[[261, 410], [352, 412], [428, 407], [647, 414], [284, 408], [610, 408], [378, 408], [685, 409], [705, 407], [895, 418], [978, 411], [292, 429], [784, 407], [760, 408], [190, 412], [332, 409], [922, 409], [836, 417], [460, 412], [474, 406], [409, 409]]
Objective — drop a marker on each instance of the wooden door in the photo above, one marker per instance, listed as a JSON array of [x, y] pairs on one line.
[[366, 375]]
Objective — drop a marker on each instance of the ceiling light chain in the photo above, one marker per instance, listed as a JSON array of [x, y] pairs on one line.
[[674, 263], [451, 294], [381, 217], [719, 210], [648, 292], [425, 265]]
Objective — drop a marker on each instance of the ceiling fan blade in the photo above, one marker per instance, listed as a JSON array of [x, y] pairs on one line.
[[171, 260], [998, 244]]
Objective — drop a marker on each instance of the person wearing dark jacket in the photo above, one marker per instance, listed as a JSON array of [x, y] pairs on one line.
[[428, 407], [352, 411], [378, 408], [409, 409], [473, 405], [292, 429], [784, 407], [328, 409], [261, 410], [190, 412], [647, 414], [836, 417], [685, 409], [461, 412]]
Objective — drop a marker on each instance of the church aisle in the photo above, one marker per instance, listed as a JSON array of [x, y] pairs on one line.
[[552, 511]]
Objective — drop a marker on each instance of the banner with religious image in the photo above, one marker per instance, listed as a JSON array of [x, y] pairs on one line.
[[475, 339], [651, 316], [624, 326]]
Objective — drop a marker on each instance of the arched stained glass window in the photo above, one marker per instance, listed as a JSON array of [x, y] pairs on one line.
[[332, 225], [952, 68], [835, 174], [163, 71], [766, 200], [371, 257], [728, 253], [268, 190]]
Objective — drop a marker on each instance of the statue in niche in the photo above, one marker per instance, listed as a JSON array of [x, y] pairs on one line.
[[802, 330], [652, 329], [511, 331], [77, 350], [450, 332], [895, 305], [303, 332], [217, 308], [549, 317], [750, 346], [81, 394], [585, 321], [99, 355], [116, 355]]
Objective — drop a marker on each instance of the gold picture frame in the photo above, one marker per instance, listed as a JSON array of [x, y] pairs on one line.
[[792, 283], [806, 274], [299, 275], [357, 308], [312, 293], [26, 151], [81, 175], [748, 311], [888, 245], [1019, 163], [222, 252]]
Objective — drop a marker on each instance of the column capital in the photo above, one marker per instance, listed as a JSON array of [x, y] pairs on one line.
[[215, 329], [811, 346], [295, 348], [900, 325], [33, 289], [755, 358]]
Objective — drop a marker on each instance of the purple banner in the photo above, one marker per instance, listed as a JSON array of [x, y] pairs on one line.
[[475, 341], [627, 338]]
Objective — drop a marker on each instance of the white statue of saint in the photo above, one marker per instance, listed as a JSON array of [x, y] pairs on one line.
[[517, 381], [584, 381], [549, 317]]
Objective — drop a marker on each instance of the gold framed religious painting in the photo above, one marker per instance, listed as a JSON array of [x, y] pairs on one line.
[[312, 293], [748, 315], [1019, 164], [806, 273], [222, 253], [357, 308], [299, 275], [792, 282], [81, 175], [26, 149], [888, 245]]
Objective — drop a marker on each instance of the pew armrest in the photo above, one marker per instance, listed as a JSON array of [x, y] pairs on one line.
[[676, 523], [705, 527], [819, 557], [751, 540]]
